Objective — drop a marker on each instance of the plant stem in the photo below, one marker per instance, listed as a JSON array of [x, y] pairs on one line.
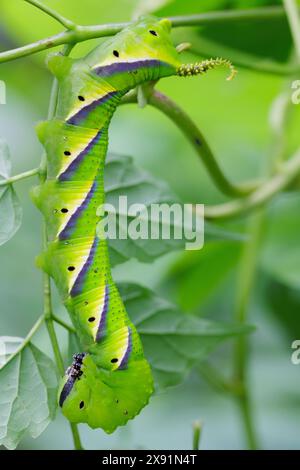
[[248, 265], [49, 11], [76, 437], [19, 177], [197, 139], [289, 171], [263, 13], [79, 33], [246, 279], [63, 324], [26, 341], [292, 13], [197, 431]]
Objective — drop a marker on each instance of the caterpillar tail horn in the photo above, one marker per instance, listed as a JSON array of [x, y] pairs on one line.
[[200, 68]]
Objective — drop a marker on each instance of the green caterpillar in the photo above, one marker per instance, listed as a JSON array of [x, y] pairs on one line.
[[111, 381]]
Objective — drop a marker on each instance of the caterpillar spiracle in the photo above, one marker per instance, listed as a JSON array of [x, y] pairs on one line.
[[110, 381]]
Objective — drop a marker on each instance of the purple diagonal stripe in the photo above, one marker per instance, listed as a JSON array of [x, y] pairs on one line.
[[84, 112], [67, 388], [101, 325], [66, 233], [128, 351], [78, 285], [119, 67], [69, 172]]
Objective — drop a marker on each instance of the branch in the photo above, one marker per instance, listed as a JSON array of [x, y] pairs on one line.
[[196, 138], [83, 33], [293, 17], [290, 170], [21, 176], [197, 431], [245, 285], [26, 341], [63, 324], [264, 13], [64, 21]]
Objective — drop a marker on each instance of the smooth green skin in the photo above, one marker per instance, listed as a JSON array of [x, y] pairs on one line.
[[111, 395]]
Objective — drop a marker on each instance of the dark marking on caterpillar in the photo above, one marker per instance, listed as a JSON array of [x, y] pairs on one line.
[[114, 360], [81, 98], [67, 153], [71, 268], [154, 33], [116, 53], [91, 319], [81, 405], [198, 141], [74, 372]]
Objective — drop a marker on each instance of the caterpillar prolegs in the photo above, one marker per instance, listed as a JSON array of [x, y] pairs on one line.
[[110, 381]]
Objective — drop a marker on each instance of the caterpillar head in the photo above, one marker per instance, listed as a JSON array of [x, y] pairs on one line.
[[147, 39]]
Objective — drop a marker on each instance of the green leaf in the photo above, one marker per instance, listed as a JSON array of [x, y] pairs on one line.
[[197, 276], [173, 341], [28, 385], [124, 178], [271, 41], [284, 304], [10, 208], [8, 345], [281, 252]]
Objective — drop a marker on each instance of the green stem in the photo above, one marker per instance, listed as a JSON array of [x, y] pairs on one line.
[[54, 343], [263, 13], [246, 280], [289, 171], [76, 437], [197, 431], [21, 176], [63, 324], [84, 33], [197, 139], [248, 265], [49, 11], [292, 13], [26, 341]]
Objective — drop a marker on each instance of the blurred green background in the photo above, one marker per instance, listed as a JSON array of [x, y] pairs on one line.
[[235, 118]]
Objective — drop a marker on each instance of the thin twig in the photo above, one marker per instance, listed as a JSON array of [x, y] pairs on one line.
[[292, 13], [26, 341], [289, 171], [19, 177], [65, 325], [84, 33], [197, 139], [197, 431]]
